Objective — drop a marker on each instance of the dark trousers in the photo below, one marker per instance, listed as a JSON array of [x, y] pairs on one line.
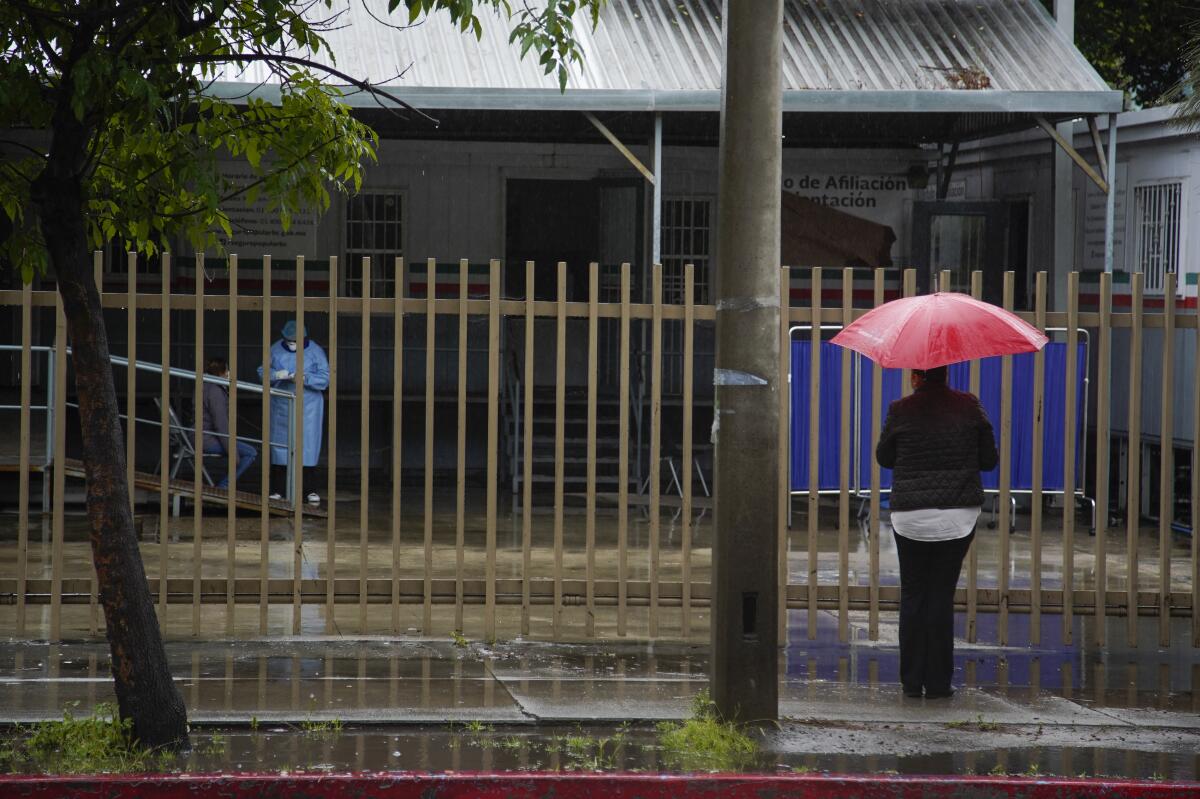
[[279, 482], [928, 575]]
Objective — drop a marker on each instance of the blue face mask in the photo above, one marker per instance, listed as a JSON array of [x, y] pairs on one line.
[[290, 345]]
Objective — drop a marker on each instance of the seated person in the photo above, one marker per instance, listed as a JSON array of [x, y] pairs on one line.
[[216, 421]]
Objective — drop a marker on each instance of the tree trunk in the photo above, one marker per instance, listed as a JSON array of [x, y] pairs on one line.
[[146, 694]]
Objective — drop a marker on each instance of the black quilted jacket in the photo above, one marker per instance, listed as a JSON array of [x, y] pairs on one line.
[[936, 441]]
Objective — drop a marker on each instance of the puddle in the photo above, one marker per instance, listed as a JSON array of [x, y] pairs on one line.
[[470, 748]]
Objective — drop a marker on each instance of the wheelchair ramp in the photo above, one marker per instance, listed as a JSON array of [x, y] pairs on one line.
[[246, 500]]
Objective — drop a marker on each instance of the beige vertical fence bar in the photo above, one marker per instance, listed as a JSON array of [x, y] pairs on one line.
[[973, 550], [397, 429], [364, 446], [231, 452], [1103, 417], [331, 472], [97, 270], [60, 447], [23, 456], [198, 446], [1035, 502], [1134, 461], [430, 361], [590, 511], [493, 435], [560, 379], [814, 443], [1166, 469], [264, 534], [460, 515], [1069, 445], [685, 554], [164, 439], [1005, 493], [782, 444], [655, 443], [844, 468], [876, 425], [93, 579], [298, 438], [527, 454], [130, 374], [909, 290], [623, 459], [1195, 570]]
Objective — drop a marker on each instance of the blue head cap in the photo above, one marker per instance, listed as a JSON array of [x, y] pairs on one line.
[[289, 330]]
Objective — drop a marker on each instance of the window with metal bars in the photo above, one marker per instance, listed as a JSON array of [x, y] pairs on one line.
[[686, 239], [116, 260], [1157, 241], [374, 229]]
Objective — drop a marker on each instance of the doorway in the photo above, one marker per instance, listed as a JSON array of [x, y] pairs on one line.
[[962, 237], [547, 221]]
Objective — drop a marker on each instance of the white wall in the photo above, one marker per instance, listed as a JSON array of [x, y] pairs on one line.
[[1149, 150]]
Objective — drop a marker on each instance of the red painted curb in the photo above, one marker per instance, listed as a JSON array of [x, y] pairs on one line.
[[576, 786]]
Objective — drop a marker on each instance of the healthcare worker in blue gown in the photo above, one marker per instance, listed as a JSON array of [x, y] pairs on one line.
[[316, 380]]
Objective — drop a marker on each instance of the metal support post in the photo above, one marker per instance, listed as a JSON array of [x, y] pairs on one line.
[[1062, 182], [656, 211], [1110, 202], [747, 379]]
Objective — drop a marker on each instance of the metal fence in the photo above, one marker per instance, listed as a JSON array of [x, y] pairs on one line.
[[433, 571]]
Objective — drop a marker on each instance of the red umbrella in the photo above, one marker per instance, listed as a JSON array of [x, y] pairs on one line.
[[936, 330]]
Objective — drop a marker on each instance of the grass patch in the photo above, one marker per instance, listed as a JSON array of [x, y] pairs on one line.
[[101, 743], [590, 753], [704, 742], [459, 639], [321, 727], [978, 724]]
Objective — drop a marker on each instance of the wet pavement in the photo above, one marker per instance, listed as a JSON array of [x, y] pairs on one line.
[[426, 704], [418, 701], [211, 562]]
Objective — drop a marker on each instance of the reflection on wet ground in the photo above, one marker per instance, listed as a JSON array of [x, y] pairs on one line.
[[420, 704], [417, 701], [275, 748], [408, 563]]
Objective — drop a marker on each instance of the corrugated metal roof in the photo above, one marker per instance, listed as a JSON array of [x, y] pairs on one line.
[[1002, 56]]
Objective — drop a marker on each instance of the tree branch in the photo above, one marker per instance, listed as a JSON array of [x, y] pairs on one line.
[[273, 58], [24, 146], [188, 27]]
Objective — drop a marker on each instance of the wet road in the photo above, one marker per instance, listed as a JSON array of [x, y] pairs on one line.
[[427, 704]]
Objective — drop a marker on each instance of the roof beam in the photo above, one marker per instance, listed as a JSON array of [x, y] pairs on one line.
[[625, 151], [1070, 150], [953, 101]]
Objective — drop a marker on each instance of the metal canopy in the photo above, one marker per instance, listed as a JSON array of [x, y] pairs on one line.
[[840, 56], [698, 129]]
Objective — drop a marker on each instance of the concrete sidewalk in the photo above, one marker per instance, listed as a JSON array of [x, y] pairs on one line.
[[840, 713]]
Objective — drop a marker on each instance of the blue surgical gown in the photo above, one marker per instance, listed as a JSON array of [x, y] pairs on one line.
[[316, 380]]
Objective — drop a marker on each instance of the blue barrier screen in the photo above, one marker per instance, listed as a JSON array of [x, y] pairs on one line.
[[829, 458], [863, 447]]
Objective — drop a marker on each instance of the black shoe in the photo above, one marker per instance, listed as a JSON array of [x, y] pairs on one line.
[[945, 694], [912, 693]]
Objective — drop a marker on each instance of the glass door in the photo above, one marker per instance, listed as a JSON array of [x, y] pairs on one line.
[[961, 237]]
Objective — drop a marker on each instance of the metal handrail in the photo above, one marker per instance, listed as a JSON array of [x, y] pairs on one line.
[[177, 372]]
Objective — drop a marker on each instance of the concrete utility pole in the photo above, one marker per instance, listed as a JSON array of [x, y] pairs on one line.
[[745, 659]]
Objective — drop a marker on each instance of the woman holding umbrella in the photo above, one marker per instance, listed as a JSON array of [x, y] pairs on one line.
[[936, 441]]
